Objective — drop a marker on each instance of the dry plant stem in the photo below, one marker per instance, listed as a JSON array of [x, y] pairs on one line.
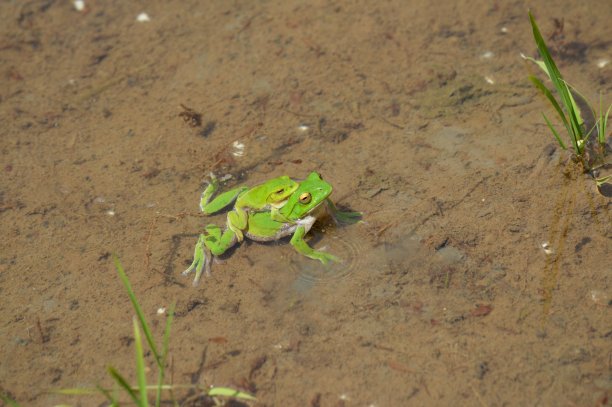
[[148, 253]]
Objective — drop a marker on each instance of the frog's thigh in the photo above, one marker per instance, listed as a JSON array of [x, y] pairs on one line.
[[221, 201], [218, 242], [238, 217], [235, 224]]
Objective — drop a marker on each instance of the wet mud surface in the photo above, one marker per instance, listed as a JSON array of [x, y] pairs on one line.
[[480, 275]]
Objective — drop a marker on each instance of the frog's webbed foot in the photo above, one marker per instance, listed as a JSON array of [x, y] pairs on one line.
[[297, 241], [201, 261], [324, 257], [343, 217], [208, 192]]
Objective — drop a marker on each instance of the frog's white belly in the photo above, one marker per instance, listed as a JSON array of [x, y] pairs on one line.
[[287, 230]]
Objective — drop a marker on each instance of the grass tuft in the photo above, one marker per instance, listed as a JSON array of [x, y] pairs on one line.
[[565, 106], [139, 394], [7, 400]]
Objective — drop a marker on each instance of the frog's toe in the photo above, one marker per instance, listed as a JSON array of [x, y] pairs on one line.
[[201, 262], [327, 258], [202, 267]]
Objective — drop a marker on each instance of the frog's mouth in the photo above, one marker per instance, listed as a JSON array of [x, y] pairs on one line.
[[278, 205]]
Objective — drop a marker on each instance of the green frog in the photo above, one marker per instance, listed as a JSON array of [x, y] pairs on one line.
[[278, 208], [269, 195]]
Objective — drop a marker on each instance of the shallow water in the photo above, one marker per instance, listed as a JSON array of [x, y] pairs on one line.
[[480, 274]]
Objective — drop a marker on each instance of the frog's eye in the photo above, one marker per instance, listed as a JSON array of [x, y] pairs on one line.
[[305, 197]]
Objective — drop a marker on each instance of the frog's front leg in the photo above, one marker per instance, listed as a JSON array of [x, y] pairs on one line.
[[211, 242], [223, 200], [297, 241]]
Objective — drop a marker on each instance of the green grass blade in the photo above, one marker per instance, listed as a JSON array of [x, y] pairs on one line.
[[603, 123], [108, 395], [140, 366], [541, 64], [576, 121], [9, 401], [77, 391], [166, 343], [538, 84], [123, 384], [164, 355], [159, 387], [551, 67], [557, 80], [554, 132], [227, 392], [603, 180], [136, 305], [588, 134], [585, 104]]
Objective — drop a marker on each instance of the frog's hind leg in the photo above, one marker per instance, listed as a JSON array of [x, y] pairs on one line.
[[211, 243], [209, 205], [201, 260], [218, 242], [237, 221]]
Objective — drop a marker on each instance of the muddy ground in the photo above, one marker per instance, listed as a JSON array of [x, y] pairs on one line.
[[480, 274]]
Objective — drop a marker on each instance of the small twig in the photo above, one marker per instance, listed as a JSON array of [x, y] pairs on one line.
[[390, 123], [43, 338], [148, 253]]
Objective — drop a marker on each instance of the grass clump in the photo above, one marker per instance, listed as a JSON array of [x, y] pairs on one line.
[[139, 394], [590, 153]]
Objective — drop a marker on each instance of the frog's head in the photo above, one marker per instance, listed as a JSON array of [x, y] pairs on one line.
[[280, 189], [307, 197]]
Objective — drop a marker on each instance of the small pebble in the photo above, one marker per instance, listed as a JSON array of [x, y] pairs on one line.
[[143, 18], [599, 297], [546, 247], [238, 149], [79, 5]]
